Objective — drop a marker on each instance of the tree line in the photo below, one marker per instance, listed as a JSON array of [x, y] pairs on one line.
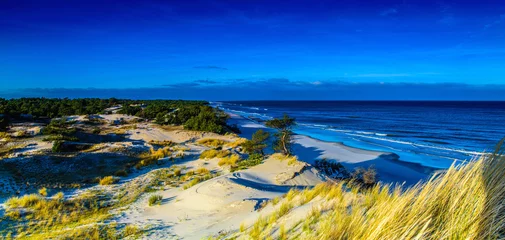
[[194, 115]]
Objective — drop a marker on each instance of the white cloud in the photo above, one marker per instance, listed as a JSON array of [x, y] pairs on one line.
[[389, 11]]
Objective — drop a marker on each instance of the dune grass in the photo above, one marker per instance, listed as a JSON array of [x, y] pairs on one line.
[[230, 160], [211, 142], [236, 143], [282, 157], [212, 153], [464, 202], [152, 157], [108, 180], [154, 199]]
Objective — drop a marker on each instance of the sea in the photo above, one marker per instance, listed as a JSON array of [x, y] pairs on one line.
[[435, 134]]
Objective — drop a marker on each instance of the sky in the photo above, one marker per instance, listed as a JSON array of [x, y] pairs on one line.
[[249, 50]]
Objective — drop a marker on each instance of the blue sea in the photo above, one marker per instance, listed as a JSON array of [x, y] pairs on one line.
[[431, 133]]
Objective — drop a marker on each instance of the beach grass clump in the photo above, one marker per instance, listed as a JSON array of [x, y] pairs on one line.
[[164, 143], [212, 142], [131, 230], [43, 192], [229, 161], [213, 153], [464, 202], [108, 180], [25, 201], [154, 199], [152, 156], [44, 215], [202, 170], [282, 157], [236, 143], [192, 183]]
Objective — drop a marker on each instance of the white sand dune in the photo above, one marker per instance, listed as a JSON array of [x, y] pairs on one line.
[[223, 203]]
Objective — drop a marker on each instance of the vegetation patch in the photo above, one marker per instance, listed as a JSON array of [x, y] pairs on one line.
[[253, 160], [212, 153], [229, 161], [211, 142], [108, 180], [154, 199]]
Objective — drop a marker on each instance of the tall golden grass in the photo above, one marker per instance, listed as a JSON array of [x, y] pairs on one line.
[[464, 202]]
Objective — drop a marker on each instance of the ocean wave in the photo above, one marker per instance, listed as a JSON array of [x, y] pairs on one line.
[[419, 145]]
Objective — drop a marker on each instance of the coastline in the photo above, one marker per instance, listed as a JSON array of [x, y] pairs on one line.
[[308, 149]]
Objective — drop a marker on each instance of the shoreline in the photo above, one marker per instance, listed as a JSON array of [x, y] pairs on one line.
[[308, 149]]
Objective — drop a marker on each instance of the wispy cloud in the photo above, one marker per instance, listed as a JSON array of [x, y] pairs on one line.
[[283, 89], [498, 21], [384, 75], [210, 67], [389, 11], [206, 81], [182, 85]]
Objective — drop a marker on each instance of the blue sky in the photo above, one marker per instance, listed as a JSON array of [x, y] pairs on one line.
[[230, 50]]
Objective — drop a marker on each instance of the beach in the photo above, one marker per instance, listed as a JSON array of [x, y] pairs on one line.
[[307, 149]]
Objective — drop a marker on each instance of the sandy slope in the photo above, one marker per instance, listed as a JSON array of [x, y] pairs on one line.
[[223, 203]]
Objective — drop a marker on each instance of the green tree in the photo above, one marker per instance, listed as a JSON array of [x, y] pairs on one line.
[[284, 133], [4, 123], [258, 142]]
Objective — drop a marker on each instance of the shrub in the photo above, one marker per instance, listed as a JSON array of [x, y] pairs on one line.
[[108, 180], [365, 176], [258, 142], [121, 173], [57, 146], [155, 199], [253, 160], [332, 169]]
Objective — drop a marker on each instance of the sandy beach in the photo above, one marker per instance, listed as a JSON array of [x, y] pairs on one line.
[[224, 203], [307, 149]]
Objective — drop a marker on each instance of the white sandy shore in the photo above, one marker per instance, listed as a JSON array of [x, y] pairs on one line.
[[389, 168]]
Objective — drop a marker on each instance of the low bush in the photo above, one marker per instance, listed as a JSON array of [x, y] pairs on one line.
[[60, 137], [253, 160], [368, 177], [57, 146], [121, 173]]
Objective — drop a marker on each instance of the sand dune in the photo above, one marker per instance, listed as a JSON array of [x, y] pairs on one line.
[[224, 202]]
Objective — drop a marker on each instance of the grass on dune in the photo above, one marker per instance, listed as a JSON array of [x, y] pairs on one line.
[[211, 142], [212, 153], [464, 202]]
